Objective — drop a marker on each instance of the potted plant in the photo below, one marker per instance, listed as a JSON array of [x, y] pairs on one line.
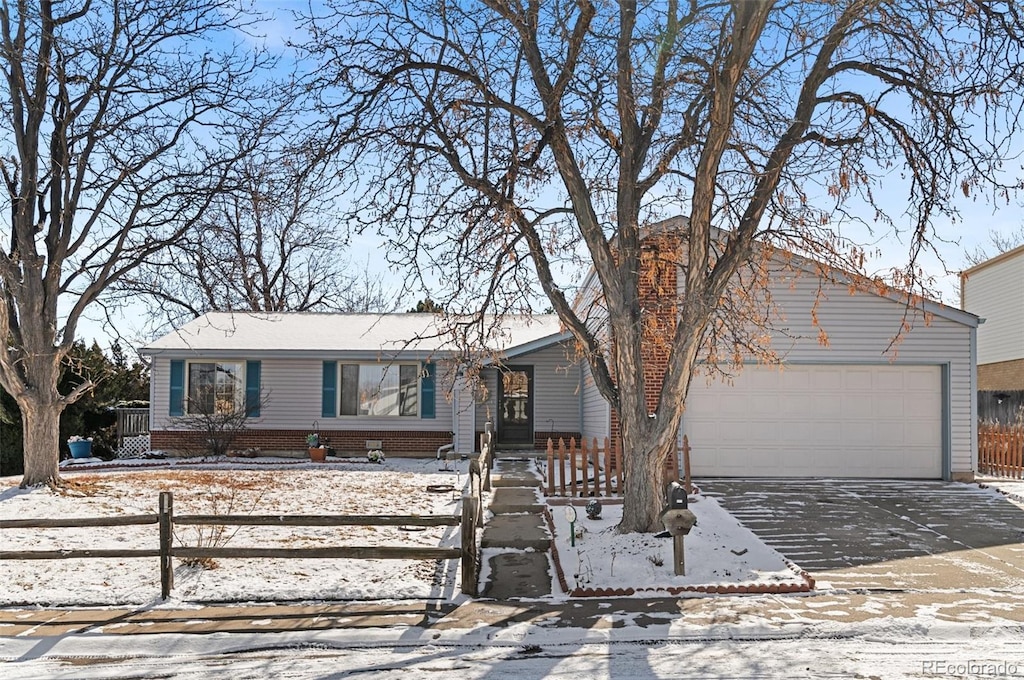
[[81, 447], [317, 451]]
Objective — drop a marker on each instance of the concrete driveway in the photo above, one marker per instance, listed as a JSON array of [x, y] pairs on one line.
[[884, 534]]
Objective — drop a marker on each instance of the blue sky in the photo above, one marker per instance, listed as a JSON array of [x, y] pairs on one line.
[[979, 215]]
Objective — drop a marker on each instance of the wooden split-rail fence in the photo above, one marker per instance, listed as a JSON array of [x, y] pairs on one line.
[[596, 469], [468, 551], [1001, 450]]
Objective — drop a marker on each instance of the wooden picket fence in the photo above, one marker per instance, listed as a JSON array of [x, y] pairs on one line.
[[1001, 450], [596, 469]]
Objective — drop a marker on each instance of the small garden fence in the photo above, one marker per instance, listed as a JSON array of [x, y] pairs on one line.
[[1001, 450], [596, 469], [471, 517]]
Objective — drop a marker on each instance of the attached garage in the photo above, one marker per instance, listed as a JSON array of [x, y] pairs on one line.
[[819, 420]]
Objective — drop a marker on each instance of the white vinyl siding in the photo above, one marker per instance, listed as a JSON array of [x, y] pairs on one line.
[[292, 391], [995, 293], [861, 328], [556, 399], [596, 411], [464, 416]]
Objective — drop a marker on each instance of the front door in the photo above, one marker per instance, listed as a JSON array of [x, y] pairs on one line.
[[515, 406]]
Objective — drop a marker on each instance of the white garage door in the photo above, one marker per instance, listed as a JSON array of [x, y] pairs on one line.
[[818, 421]]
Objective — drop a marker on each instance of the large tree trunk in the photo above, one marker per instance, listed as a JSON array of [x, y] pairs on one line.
[[41, 406], [645, 452]]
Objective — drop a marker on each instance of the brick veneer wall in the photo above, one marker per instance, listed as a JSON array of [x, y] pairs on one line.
[[658, 294], [344, 442], [540, 439], [1002, 375]]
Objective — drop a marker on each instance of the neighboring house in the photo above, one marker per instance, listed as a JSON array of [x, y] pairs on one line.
[[858, 405], [994, 290], [361, 380]]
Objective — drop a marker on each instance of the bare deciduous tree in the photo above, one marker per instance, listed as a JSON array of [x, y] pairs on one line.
[[512, 142], [112, 115], [999, 242], [273, 240]]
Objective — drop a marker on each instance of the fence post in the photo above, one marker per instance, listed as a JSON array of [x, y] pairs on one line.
[[489, 431], [572, 464], [686, 465], [475, 489], [561, 466], [607, 467], [166, 521], [469, 556], [551, 467], [584, 456]]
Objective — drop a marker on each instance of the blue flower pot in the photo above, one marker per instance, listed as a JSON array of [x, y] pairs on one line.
[[80, 449]]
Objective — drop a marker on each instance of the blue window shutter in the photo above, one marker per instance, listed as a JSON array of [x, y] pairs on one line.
[[427, 391], [330, 389], [177, 407], [252, 389]]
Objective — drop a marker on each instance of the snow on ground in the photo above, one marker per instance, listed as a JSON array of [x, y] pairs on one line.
[[352, 487], [719, 551], [664, 649], [739, 638], [722, 551], [1014, 488]]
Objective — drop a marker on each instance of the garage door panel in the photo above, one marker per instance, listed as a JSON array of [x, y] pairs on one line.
[[827, 421]]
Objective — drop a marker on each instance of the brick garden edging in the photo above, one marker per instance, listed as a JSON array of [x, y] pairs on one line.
[[732, 589]]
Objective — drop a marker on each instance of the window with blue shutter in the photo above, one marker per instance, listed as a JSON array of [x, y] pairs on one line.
[[252, 389], [177, 402], [427, 390], [330, 389]]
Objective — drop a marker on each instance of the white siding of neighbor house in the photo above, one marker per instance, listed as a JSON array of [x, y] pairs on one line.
[[556, 398], [292, 389], [995, 292], [596, 411], [860, 328]]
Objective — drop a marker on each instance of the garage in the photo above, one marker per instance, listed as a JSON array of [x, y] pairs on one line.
[[817, 420]]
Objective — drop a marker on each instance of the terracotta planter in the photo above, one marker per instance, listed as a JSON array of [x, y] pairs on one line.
[[318, 454]]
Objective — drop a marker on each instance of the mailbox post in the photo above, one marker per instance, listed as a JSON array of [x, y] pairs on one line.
[[678, 520]]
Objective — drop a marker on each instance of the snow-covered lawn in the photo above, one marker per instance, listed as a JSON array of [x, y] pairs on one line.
[[719, 551], [398, 487], [832, 634]]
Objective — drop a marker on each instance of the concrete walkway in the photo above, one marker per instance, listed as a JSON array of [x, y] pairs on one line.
[[516, 539]]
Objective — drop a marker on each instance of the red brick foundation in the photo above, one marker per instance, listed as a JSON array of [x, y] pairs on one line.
[[344, 442], [540, 439]]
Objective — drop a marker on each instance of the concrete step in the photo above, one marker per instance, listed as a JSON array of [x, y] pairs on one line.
[[518, 575], [516, 499], [517, 532]]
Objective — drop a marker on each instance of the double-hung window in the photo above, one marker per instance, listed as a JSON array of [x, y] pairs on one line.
[[215, 388], [379, 390]]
